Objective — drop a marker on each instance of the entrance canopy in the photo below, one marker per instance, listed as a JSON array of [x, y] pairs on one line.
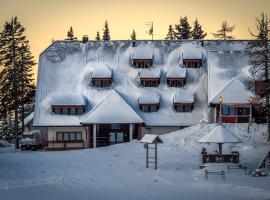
[[113, 109], [220, 135]]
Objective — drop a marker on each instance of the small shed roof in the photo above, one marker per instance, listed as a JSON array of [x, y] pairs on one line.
[[68, 99], [142, 52], [151, 139], [176, 72], [149, 98], [220, 135], [149, 74], [184, 97]]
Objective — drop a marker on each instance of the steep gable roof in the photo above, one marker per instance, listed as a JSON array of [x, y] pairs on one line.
[[112, 109], [234, 92]]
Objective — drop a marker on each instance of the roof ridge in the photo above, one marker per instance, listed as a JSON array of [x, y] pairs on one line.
[[97, 105]]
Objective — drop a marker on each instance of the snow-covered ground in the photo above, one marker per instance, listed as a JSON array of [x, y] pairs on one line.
[[118, 172]]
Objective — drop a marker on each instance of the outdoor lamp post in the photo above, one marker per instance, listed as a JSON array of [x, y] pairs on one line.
[[220, 101], [250, 101]]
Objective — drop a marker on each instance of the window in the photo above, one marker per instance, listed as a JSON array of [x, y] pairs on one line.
[[72, 136], [59, 136], [183, 108], [97, 83], [73, 111], [80, 111], [149, 83], [226, 110], [149, 108], [69, 136], [78, 136], [179, 109], [187, 108], [243, 111], [57, 111], [66, 136], [65, 111]]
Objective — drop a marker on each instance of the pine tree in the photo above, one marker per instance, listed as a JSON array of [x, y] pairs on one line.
[[133, 35], [70, 34], [98, 36], [183, 29], [16, 77], [259, 54], [197, 32], [106, 32], [223, 32], [170, 34]]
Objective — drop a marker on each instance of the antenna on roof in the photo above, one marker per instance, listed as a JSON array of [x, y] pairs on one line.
[[151, 29]]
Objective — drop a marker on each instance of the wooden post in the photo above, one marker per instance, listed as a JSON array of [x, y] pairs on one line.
[[155, 156], [146, 155], [130, 132], [220, 148], [94, 135]]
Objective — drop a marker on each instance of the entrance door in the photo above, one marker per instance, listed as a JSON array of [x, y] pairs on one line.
[[116, 137]]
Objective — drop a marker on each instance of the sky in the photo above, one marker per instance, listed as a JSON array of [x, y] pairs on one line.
[[45, 20]]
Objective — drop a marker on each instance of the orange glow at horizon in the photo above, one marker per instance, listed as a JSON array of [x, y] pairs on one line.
[[45, 20]]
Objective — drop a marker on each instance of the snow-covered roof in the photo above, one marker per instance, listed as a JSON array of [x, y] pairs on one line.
[[28, 119], [68, 99], [149, 73], [142, 52], [112, 109], [184, 96], [101, 71], [149, 98], [219, 135], [192, 51], [151, 138], [176, 72], [233, 93], [227, 75], [66, 67]]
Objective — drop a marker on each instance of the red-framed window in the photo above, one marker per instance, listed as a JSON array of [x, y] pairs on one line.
[[149, 82], [68, 110], [100, 82], [183, 107], [192, 63], [176, 82], [149, 107], [142, 63]]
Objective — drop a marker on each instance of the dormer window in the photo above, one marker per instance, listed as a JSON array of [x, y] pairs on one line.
[[149, 78], [192, 63], [68, 105], [176, 77], [101, 76], [149, 102], [142, 57], [183, 102], [192, 56]]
